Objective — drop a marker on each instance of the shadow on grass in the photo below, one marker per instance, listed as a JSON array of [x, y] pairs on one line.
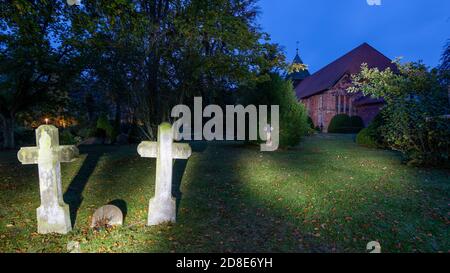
[[179, 169], [74, 194], [218, 213]]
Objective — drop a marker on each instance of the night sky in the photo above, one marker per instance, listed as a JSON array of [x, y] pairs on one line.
[[326, 29]]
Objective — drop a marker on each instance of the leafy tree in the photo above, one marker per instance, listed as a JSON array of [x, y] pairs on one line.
[[415, 102], [35, 64], [153, 55], [444, 68]]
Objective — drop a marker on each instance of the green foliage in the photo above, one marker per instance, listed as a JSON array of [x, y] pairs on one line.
[[339, 124], [135, 134], [310, 122], [357, 123], [25, 136], [365, 138], [293, 116], [104, 127], [444, 67], [293, 124], [191, 48], [67, 138], [344, 124], [35, 66], [374, 133], [416, 100]]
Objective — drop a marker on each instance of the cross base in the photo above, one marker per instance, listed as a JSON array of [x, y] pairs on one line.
[[161, 211], [54, 219]]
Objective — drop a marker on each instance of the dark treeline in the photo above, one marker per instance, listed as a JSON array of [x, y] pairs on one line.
[[136, 58]]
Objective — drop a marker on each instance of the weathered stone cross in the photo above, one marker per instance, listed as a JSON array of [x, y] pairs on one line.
[[53, 214], [162, 207]]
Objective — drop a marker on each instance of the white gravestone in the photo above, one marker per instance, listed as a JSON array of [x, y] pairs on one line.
[[162, 207], [268, 129], [53, 215]]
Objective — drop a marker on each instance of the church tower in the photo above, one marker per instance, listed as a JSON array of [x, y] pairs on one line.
[[297, 71]]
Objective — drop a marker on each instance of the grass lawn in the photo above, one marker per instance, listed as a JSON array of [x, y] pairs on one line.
[[327, 195]]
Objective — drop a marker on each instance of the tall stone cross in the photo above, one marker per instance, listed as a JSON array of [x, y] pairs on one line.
[[53, 215], [162, 207]]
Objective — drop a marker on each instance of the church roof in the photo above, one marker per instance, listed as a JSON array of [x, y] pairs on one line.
[[298, 75], [350, 63]]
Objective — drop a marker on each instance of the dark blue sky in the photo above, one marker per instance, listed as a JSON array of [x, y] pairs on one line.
[[326, 29]]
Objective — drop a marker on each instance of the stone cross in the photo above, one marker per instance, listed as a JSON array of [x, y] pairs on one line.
[[162, 207], [53, 215], [268, 129]]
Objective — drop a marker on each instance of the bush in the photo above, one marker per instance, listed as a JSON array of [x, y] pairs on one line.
[[344, 124], [67, 138], [364, 138], [339, 124], [415, 102], [375, 130], [357, 124], [24, 136], [104, 127], [293, 118], [293, 124], [310, 122], [135, 134], [83, 132]]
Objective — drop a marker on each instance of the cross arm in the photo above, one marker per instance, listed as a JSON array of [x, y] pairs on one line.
[[181, 151], [148, 149], [28, 155]]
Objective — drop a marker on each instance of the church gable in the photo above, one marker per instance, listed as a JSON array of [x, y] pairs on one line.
[[348, 64]]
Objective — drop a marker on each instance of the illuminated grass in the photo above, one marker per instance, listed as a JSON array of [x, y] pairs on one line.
[[326, 195]]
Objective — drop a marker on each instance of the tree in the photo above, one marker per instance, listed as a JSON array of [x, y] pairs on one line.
[[415, 102], [444, 68], [34, 62], [157, 54]]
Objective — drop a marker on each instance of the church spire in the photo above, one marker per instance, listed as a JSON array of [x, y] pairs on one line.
[[298, 71]]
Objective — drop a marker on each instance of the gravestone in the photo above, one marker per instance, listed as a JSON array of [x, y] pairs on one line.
[[53, 214], [268, 129], [108, 215], [162, 207]]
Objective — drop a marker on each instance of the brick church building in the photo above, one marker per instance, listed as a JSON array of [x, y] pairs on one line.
[[324, 92]]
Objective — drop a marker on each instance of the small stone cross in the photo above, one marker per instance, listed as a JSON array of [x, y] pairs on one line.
[[162, 207], [268, 129], [53, 215]]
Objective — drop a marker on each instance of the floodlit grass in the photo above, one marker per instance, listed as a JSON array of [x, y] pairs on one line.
[[327, 195]]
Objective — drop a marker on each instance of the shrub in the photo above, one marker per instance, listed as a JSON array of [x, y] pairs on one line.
[[375, 130], [84, 132], [364, 138], [135, 134], [67, 138], [310, 122], [357, 124], [24, 136], [415, 101], [277, 91], [344, 124], [340, 124], [104, 127]]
